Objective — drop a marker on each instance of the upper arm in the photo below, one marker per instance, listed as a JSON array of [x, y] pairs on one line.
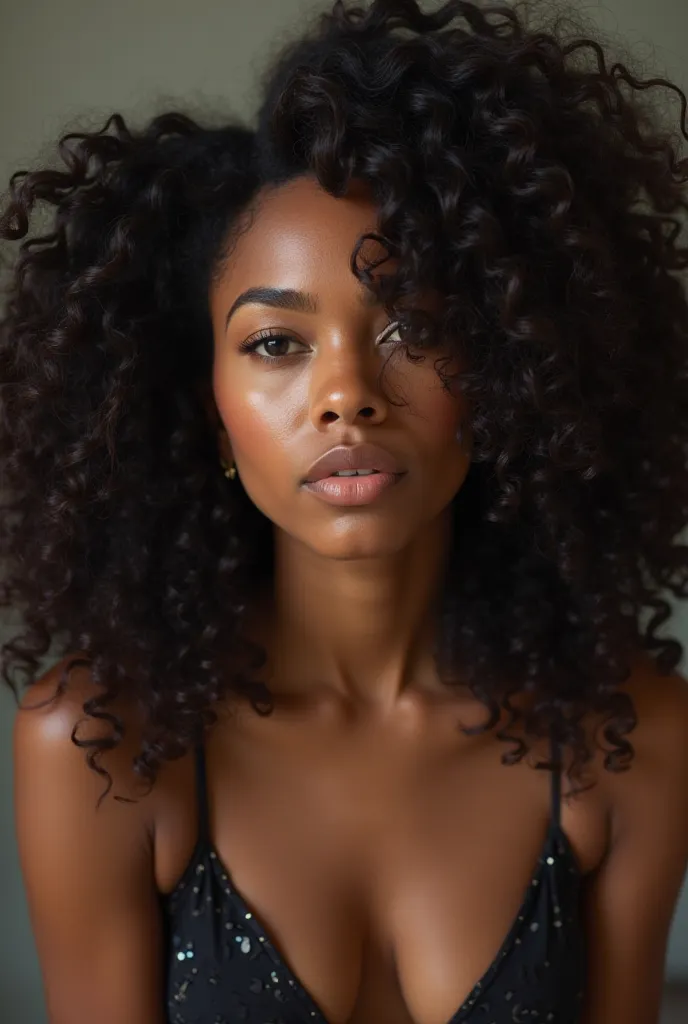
[[87, 872], [631, 899]]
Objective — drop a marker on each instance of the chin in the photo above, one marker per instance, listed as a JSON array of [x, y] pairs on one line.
[[354, 543]]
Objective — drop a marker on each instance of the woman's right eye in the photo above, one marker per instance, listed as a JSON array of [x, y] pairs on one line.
[[275, 346]]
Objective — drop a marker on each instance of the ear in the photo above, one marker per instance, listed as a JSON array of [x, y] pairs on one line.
[[204, 391]]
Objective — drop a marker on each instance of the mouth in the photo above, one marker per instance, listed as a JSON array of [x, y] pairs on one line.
[[349, 460], [353, 487], [353, 474]]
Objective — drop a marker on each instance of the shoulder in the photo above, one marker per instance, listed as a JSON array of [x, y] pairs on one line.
[[87, 864], [647, 804], [631, 897], [660, 736], [659, 739], [658, 696], [52, 715]]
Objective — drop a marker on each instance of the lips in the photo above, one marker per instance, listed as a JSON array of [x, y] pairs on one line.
[[360, 456]]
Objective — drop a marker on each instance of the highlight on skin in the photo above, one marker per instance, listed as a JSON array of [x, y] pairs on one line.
[[517, 176]]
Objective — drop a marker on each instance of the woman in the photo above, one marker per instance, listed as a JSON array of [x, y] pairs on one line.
[[283, 768]]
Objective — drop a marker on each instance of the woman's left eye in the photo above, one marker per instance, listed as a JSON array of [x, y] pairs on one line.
[[389, 332]]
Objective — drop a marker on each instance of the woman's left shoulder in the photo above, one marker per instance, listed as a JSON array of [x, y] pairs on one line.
[[655, 784], [631, 897], [660, 700]]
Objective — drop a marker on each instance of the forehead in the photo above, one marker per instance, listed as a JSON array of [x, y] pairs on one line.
[[300, 236]]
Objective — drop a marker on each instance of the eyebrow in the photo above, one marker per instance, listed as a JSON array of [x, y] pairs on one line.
[[287, 298]]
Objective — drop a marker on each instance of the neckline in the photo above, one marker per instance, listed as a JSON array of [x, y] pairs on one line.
[[556, 845]]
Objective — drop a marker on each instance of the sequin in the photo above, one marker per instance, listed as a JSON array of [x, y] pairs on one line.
[[180, 995], [238, 975]]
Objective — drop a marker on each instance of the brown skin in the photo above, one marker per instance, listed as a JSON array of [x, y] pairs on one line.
[[385, 852], [338, 570]]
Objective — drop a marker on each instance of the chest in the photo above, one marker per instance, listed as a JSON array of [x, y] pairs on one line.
[[387, 876]]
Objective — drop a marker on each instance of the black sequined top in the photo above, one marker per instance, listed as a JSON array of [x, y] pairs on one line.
[[221, 967]]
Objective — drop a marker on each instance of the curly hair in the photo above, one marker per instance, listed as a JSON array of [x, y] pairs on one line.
[[536, 194]]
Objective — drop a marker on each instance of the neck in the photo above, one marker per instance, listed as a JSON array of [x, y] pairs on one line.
[[360, 628]]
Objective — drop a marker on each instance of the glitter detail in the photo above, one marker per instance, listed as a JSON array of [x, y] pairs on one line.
[[222, 968]]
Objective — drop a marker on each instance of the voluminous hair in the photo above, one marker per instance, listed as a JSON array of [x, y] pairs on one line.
[[517, 172]]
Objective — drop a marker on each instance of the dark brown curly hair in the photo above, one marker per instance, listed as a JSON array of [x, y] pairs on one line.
[[538, 191]]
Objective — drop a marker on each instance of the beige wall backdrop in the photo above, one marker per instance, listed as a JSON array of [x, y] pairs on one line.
[[68, 64]]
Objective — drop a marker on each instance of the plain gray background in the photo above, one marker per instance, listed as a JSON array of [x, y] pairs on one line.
[[68, 64]]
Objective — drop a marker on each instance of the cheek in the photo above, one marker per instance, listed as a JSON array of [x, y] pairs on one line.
[[434, 411], [259, 423]]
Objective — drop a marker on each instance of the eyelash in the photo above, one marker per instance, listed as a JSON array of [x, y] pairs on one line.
[[251, 344]]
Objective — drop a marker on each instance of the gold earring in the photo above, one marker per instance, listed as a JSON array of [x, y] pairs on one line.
[[230, 471]]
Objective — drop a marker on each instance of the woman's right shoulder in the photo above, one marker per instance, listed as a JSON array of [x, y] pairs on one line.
[[50, 708], [51, 715], [87, 863]]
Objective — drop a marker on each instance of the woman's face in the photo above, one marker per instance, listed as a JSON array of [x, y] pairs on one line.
[[317, 385]]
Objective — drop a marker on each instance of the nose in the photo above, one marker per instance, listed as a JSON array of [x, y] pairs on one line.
[[345, 387]]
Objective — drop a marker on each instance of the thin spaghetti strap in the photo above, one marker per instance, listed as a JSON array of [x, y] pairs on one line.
[[556, 784], [202, 792]]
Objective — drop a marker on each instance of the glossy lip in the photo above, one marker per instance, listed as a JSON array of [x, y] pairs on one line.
[[359, 456], [352, 490]]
